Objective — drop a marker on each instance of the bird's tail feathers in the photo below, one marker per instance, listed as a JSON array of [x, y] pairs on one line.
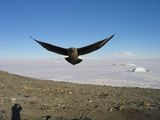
[[78, 61], [73, 63]]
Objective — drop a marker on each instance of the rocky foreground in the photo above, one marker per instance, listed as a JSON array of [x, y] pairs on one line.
[[43, 99]]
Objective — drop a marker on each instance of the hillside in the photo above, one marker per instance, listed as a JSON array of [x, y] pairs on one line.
[[67, 101]]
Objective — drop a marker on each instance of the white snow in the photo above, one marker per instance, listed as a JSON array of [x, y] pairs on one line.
[[124, 64], [101, 72], [139, 69]]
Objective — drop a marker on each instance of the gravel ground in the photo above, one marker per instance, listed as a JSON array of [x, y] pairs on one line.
[[35, 99]]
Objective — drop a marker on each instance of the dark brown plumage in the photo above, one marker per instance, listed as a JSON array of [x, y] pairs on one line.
[[73, 53]]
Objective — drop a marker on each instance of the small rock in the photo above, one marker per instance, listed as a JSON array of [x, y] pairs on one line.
[[82, 118], [121, 108], [70, 92], [26, 96], [103, 95], [96, 106], [111, 109], [90, 100], [13, 100], [2, 101], [45, 107], [2, 115], [146, 104], [64, 107], [48, 117]]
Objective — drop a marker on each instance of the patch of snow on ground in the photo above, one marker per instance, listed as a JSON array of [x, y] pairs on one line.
[[139, 69]]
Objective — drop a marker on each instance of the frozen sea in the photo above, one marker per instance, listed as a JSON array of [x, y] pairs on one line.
[[100, 72]]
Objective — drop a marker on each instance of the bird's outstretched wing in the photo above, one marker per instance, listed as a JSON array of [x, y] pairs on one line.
[[94, 46], [52, 48]]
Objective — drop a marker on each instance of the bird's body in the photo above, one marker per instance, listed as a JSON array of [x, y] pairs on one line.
[[72, 52], [73, 56]]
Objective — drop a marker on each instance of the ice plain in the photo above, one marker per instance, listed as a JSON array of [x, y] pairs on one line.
[[112, 72]]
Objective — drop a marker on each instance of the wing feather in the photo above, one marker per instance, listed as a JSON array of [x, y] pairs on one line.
[[52, 48], [94, 46]]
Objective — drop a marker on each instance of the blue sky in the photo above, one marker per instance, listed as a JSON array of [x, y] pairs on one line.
[[75, 23]]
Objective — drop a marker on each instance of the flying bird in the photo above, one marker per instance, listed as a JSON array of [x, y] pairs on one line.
[[74, 53]]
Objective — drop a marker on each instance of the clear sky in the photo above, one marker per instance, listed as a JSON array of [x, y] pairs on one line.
[[75, 23]]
